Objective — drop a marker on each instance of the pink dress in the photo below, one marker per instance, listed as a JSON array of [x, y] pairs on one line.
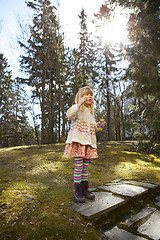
[[81, 140]]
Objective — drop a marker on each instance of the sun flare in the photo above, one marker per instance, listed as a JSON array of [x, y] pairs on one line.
[[115, 30]]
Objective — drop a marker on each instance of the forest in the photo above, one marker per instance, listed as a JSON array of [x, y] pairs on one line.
[[127, 96]]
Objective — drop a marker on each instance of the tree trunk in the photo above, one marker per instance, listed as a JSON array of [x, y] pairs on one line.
[[51, 113], [122, 121], [109, 130], [0, 133], [63, 113], [43, 139]]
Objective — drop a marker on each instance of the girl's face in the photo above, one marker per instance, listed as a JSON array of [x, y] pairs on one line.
[[89, 98]]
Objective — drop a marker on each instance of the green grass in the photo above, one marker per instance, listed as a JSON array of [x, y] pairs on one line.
[[37, 188]]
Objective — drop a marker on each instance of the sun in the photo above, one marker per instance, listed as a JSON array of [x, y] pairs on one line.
[[115, 29]]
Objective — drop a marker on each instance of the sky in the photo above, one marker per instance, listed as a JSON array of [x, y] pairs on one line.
[[68, 12], [9, 9]]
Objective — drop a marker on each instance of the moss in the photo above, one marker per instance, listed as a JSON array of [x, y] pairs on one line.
[[37, 188]]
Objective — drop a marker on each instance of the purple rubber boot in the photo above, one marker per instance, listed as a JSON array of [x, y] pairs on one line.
[[86, 193], [78, 193]]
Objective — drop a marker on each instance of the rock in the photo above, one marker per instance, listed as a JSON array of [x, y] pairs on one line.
[[157, 204], [143, 213], [143, 184], [125, 189], [104, 202], [120, 234], [151, 227], [157, 198]]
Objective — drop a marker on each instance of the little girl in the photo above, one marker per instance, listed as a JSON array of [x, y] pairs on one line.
[[81, 141]]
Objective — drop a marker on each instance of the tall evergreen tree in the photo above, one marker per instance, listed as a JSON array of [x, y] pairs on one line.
[[87, 52], [41, 63], [6, 96], [14, 126], [109, 79], [143, 71]]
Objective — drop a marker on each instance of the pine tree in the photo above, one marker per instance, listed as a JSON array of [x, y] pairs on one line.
[[14, 126], [5, 100], [87, 52], [109, 79], [41, 63], [144, 55]]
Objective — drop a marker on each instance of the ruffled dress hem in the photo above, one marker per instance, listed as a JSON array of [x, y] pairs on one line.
[[75, 149]]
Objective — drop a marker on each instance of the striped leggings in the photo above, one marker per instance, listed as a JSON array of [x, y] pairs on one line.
[[81, 169]]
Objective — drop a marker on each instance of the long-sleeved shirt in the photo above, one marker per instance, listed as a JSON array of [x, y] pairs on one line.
[[83, 126]]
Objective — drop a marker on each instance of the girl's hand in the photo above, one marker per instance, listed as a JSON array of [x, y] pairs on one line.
[[102, 124], [82, 100], [98, 124]]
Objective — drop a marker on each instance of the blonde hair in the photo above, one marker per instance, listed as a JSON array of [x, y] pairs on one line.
[[81, 92]]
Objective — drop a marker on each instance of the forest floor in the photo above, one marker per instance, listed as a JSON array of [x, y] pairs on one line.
[[36, 187]]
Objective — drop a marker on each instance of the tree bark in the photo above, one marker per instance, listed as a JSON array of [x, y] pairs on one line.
[[109, 130]]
